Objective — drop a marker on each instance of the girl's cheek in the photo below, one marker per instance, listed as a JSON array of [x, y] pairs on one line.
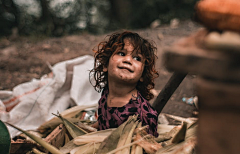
[[114, 58]]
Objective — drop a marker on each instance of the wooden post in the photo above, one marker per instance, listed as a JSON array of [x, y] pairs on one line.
[[218, 90], [168, 90]]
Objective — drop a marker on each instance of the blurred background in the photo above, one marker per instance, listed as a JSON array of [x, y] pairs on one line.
[[37, 33], [63, 17]]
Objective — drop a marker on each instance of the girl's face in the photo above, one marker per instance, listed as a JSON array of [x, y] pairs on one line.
[[126, 65]]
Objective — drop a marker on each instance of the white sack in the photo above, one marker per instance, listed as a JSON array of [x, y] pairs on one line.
[[34, 102]]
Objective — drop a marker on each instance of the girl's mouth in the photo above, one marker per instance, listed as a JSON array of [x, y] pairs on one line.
[[126, 68]]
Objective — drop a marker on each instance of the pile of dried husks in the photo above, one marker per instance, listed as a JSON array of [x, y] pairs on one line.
[[129, 138]]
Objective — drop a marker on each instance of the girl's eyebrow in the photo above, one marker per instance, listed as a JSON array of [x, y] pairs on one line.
[[133, 52], [140, 55], [138, 52]]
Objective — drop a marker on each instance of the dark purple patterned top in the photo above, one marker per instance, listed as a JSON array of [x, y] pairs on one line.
[[112, 117]]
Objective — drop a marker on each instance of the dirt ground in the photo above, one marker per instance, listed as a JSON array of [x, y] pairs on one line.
[[25, 58]]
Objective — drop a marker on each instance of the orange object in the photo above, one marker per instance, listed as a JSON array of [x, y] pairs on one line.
[[219, 14]]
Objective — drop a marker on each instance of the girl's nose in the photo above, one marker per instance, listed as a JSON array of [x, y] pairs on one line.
[[128, 59]]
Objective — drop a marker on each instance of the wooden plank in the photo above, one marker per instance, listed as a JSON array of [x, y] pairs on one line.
[[167, 91], [22, 146], [57, 136], [219, 126], [218, 132], [189, 55], [218, 95]]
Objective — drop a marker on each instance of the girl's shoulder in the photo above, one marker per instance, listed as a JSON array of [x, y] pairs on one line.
[[141, 99], [145, 105], [103, 98]]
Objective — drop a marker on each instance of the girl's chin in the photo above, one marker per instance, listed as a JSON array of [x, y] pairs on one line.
[[126, 80]]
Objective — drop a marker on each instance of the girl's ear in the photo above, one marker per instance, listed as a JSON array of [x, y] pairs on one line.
[[104, 69], [141, 79]]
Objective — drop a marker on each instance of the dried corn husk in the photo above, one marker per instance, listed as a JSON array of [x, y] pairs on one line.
[[90, 148], [133, 149], [170, 135], [126, 136], [187, 120], [162, 119], [39, 140], [70, 114], [28, 138], [187, 146], [68, 147], [129, 139], [163, 137], [73, 129], [136, 149], [66, 137], [163, 128], [191, 131], [180, 136], [49, 126], [36, 151], [125, 146], [139, 150], [110, 143], [93, 137], [86, 127], [148, 142], [86, 139]]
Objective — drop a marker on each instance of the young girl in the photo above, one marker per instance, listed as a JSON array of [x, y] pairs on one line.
[[124, 72]]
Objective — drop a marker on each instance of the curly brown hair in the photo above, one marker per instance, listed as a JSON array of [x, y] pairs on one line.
[[116, 42]]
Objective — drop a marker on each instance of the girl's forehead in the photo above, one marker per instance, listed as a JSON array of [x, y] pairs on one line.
[[129, 44], [127, 41]]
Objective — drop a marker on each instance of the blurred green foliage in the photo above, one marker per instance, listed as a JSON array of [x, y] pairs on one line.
[[56, 18]]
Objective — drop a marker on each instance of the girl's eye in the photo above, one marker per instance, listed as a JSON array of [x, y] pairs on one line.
[[121, 54], [137, 58]]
